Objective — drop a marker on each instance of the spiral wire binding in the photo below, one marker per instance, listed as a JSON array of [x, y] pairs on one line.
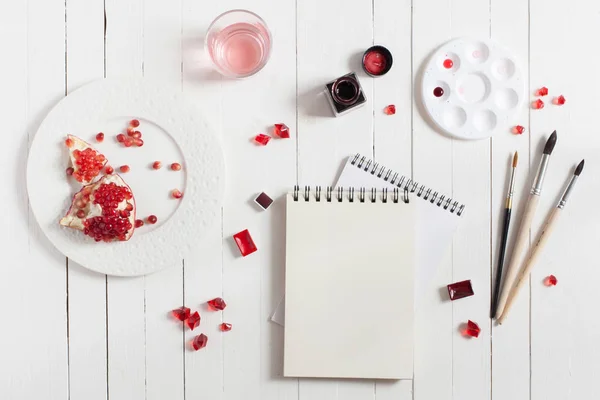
[[407, 184], [362, 194]]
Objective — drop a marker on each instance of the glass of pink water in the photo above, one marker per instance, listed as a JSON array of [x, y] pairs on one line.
[[239, 43]]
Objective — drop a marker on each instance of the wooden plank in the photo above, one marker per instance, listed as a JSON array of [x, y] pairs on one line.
[[164, 290], [471, 246], [203, 272], [126, 302], [392, 134], [564, 351], [510, 342], [87, 290], [327, 48], [432, 165], [34, 275]]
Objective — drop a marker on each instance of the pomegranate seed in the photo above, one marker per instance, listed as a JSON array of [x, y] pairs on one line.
[[87, 164], [157, 165], [176, 194], [138, 223], [200, 342], [100, 137], [560, 100], [135, 123], [543, 91], [129, 207], [175, 166], [136, 134], [217, 304], [120, 138], [390, 110], [70, 171], [152, 219], [138, 142], [107, 228], [181, 313], [472, 329], [518, 129], [550, 281], [69, 142], [225, 327], [193, 320], [448, 63], [537, 105], [282, 130], [262, 139], [128, 142], [124, 168], [108, 170], [80, 214], [130, 131]]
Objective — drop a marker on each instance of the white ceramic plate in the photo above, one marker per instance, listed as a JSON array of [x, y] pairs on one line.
[[173, 131], [483, 89]]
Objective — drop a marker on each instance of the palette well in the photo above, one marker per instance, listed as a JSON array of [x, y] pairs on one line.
[[472, 88]]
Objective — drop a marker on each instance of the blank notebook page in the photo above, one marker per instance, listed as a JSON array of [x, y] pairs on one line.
[[349, 308]]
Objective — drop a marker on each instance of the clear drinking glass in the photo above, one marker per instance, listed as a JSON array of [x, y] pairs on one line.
[[239, 43]]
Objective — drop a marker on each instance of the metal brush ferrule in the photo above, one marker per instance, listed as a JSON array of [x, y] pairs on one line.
[[567, 193], [536, 189]]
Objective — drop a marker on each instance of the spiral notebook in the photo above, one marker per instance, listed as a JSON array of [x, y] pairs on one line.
[[349, 284], [437, 219]]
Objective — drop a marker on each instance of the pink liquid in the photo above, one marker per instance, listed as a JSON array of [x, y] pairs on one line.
[[240, 49]]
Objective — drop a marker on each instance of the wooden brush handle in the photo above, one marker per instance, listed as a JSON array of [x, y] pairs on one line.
[[520, 245], [530, 262]]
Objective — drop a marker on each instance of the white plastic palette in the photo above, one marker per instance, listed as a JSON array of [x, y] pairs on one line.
[[482, 90]]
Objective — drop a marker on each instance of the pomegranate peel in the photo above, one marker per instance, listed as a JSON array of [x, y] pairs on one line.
[[103, 210], [86, 161]]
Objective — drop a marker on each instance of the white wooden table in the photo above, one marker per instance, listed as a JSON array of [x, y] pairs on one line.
[[72, 334]]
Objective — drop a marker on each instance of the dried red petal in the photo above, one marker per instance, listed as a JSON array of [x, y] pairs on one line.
[[472, 329], [282, 131], [448, 63], [225, 327], [181, 313], [543, 91], [217, 304], [200, 342], [460, 290], [193, 320], [518, 130], [390, 110], [560, 100], [245, 243], [537, 104], [262, 139], [550, 281]]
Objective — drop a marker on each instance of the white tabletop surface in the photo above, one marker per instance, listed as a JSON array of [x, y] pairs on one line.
[[68, 333]]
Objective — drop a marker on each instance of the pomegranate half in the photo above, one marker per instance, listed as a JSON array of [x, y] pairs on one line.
[[104, 210], [86, 161]]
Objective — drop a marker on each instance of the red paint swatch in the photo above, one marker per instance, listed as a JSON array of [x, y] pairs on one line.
[[244, 242]]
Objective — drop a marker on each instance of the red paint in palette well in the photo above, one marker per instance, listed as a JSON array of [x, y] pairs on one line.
[[375, 62]]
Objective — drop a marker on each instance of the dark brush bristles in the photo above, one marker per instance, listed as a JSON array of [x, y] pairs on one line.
[[550, 144], [579, 168], [515, 159]]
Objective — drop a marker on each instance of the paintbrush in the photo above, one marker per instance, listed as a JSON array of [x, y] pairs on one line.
[[540, 243], [523, 232], [504, 239]]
